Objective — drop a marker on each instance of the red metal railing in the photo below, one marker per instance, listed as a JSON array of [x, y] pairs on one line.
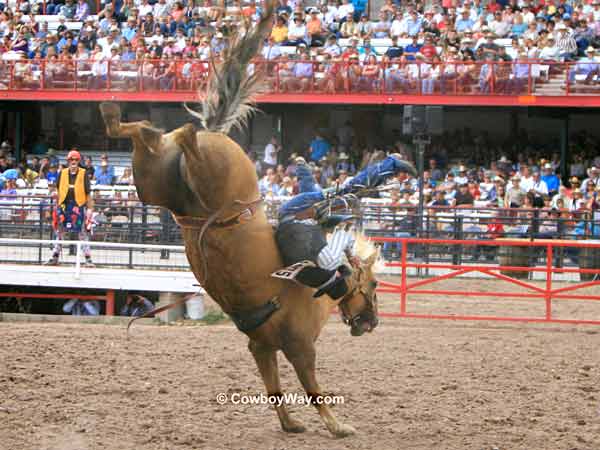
[[288, 76], [547, 294], [109, 298]]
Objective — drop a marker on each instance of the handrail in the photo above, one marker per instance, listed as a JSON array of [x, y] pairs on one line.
[[291, 76]]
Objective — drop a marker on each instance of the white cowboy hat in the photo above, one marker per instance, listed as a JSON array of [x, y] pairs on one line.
[[343, 155]]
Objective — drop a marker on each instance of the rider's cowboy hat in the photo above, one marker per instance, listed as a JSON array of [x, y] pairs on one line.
[[343, 155]]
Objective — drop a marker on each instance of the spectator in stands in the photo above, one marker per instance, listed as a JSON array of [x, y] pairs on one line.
[[271, 151], [587, 66], [73, 207], [89, 168], [315, 29], [269, 185], [349, 28], [287, 187], [82, 11], [565, 43], [104, 173], [126, 178], [550, 52], [319, 147], [297, 33], [463, 197], [136, 306], [52, 173], [10, 184], [515, 195], [78, 307], [552, 181]]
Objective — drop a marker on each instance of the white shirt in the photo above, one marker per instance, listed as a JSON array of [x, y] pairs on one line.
[[271, 52], [540, 187], [270, 155], [296, 31], [568, 203], [398, 28], [550, 53], [145, 9], [344, 10], [527, 183]]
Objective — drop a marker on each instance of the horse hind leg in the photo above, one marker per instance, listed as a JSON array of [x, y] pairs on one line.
[[266, 361], [303, 359]]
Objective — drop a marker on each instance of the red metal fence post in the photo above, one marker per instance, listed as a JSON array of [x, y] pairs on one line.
[[403, 278], [548, 292], [110, 302]]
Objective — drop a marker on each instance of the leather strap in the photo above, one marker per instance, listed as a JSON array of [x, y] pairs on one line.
[[198, 222], [250, 320]]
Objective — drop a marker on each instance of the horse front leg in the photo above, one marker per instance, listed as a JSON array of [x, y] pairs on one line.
[[303, 357], [266, 360]]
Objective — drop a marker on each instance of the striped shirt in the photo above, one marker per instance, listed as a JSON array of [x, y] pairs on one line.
[[332, 255], [566, 43]]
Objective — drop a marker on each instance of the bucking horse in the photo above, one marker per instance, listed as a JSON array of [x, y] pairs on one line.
[[210, 186]]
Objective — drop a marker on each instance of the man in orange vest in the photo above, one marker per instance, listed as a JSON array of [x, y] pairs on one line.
[[74, 206]]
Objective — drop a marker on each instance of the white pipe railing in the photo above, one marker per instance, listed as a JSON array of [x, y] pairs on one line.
[[114, 245]]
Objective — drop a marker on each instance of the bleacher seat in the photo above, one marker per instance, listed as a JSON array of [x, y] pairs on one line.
[[119, 160]]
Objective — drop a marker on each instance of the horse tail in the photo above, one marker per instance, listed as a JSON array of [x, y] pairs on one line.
[[229, 99]]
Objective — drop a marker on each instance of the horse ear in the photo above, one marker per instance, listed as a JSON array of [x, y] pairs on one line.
[[372, 258]]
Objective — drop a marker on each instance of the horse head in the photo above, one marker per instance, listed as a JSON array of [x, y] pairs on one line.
[[358, 308]]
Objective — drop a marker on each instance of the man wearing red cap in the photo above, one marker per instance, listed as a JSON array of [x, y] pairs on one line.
[[74, 206]]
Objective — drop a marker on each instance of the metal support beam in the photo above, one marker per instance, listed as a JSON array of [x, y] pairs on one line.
[[18, 135], [564, 146]]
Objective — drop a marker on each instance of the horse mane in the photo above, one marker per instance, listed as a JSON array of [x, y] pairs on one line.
[[364, 247], [234, 83]]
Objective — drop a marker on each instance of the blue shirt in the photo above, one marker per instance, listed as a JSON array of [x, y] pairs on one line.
[[359, 5], [413, 26], [318, 148], [552, 182], [105, 178], [518, 28], [464, 24], [412, 49], [52, 177]]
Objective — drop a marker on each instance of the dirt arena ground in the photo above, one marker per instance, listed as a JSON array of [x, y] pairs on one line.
[[411, 384]]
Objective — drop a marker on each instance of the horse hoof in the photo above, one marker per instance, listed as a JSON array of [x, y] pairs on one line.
[[293, 427], [344, 430]]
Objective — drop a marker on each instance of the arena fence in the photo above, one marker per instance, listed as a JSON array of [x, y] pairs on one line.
[[544, 270], [130, 221], [519, 266], [104, 254]]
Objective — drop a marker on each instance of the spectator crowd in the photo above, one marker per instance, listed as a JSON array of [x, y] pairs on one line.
[[41, 171], [528, 181], [327, 45]]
